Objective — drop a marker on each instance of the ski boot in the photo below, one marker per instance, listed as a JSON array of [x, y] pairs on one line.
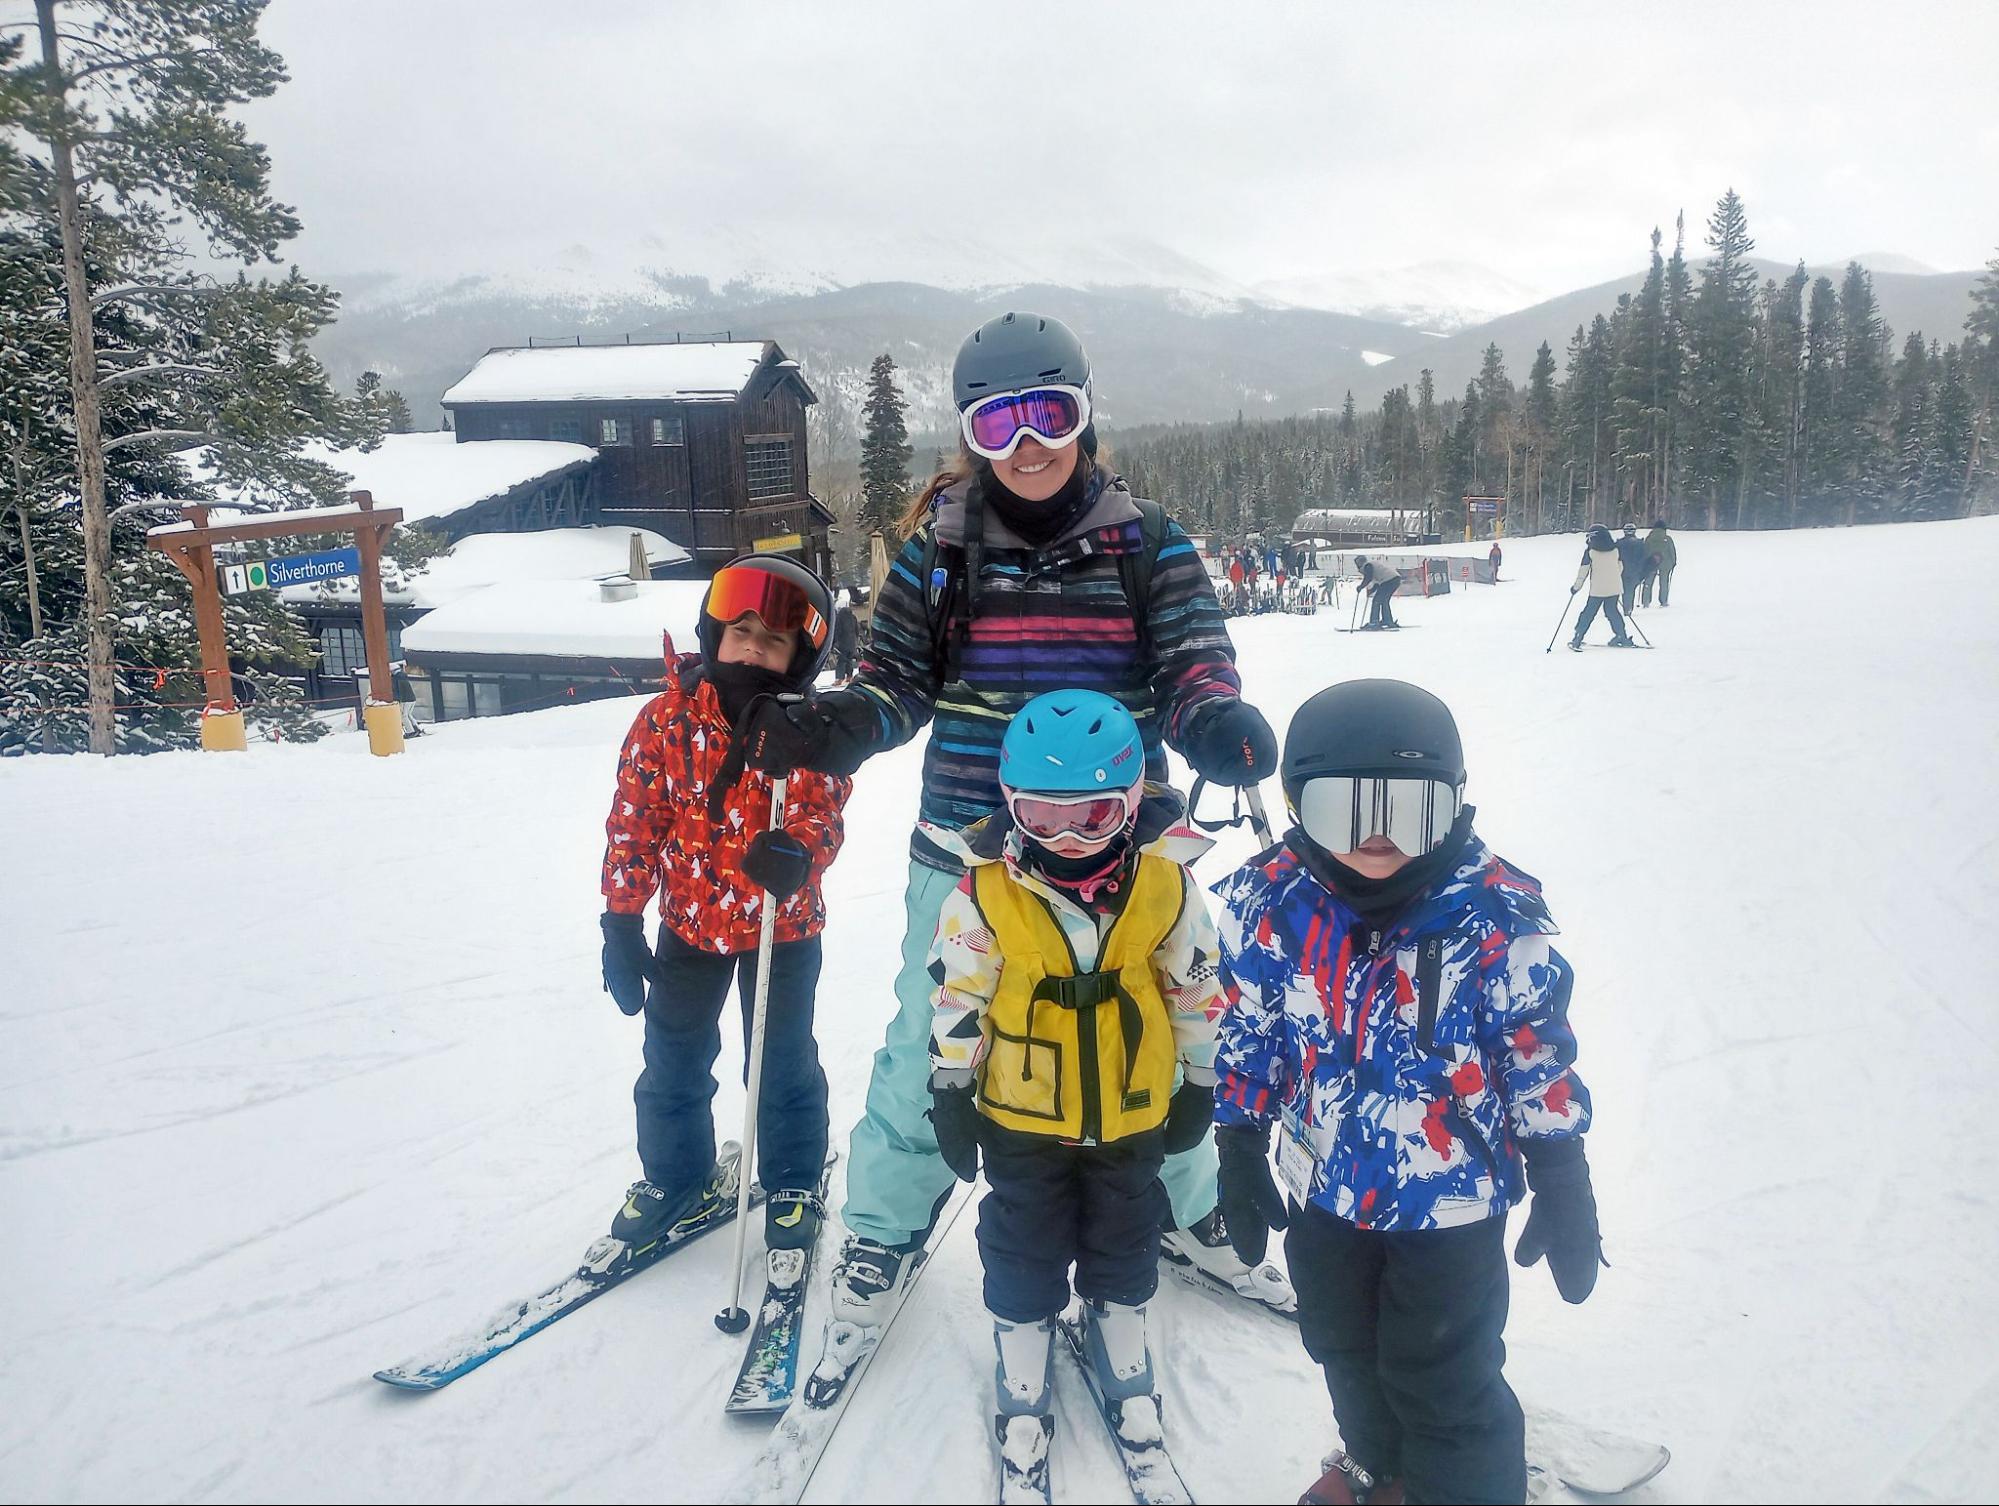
[[1576, 644], [792, 1219], [1024, 1426], [1345, 1483], [1621, 641], [1114, 1345], [650, 1215], [1203, 1250]]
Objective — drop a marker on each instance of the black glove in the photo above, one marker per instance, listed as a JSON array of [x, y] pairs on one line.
[[828, 734], [1233, 745], [778, 861], [628, 961], [1189, 1117], [1561, 1220], [955, 1117], [1251, 1203]]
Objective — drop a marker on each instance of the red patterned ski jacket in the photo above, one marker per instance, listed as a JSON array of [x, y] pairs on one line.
[[659, 837]]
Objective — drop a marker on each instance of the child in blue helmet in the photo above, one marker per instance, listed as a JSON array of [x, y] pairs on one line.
[[1073, 1044]]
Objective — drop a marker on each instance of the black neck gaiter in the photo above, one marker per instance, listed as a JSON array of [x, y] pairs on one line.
[[1379, 901], [736, 685], [1095, 878], [1039, 523]]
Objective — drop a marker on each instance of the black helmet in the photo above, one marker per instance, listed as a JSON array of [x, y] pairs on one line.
[[1599, 537], [1015, 351], [1629, 528], [815, 638], [1377, 728]]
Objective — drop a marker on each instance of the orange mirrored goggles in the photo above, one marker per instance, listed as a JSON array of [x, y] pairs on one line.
[[781, 604]]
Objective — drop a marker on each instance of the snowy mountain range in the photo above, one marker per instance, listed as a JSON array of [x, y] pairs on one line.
[[1174, 340]]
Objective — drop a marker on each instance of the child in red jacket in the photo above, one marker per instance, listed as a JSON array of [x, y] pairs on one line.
[[696, 830]]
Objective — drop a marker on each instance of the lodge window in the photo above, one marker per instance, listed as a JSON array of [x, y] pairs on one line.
[[613, 431], [669, 430], [344, 652], [570, 429], [511, 426], [769, 467]]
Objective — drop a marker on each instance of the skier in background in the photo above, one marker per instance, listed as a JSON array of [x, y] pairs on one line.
[[694, 829], [1378, 580], [1662, 556], [1632, 558], [1604, 576], [846, 636], [1020, 550], [1396, 1013], [1493, 556], [1076, 923]]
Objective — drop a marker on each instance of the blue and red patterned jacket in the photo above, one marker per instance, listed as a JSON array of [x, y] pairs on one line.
[[1415, 1060]]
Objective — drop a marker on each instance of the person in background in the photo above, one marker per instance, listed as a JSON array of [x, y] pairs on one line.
[[1661, 556], [1631, 558], [1601, 572], [846, 636], [1494, 557], [1378, 580]]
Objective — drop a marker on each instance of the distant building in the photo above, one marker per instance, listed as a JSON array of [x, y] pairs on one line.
[[1346, 527], [701, 441]]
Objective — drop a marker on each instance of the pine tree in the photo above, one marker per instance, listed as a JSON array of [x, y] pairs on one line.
[[123, 116], [1980, 358], [1863, 458], [1722, 377], [1818, 443], [1640, 390], [1492, 461], [1538, 434], [885, 450]]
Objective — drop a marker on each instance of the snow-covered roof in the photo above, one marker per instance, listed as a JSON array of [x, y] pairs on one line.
[[560, 619], [688, 371], [431, 475], [480, 560]]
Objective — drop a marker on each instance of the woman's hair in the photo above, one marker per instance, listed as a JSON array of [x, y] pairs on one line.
[[957, 469]]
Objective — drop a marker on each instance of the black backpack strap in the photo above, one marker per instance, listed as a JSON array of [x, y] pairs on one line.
[[1135, 570]]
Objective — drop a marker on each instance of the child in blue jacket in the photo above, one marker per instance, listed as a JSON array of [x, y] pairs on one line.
[[1398, 1017]]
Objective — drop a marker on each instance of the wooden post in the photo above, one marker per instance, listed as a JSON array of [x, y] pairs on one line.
[[382, 716], [221, 721]]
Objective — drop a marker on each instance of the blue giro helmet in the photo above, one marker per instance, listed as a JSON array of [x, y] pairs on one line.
[[1072, 742]]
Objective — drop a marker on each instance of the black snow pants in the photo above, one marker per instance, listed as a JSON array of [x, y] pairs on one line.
[[1100, 1207], [675, 1094], [1608, 606], [1407, 1328], [1379, 615]]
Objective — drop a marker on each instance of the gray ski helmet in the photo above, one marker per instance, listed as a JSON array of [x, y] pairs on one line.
[[808, 658], [1016, 351], [1386, 729]]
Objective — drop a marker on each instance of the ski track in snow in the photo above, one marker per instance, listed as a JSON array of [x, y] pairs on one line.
[[318, 1072]]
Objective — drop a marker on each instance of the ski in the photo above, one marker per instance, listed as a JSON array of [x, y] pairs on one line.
[[1201, 1280], [1133, 1425], [606, 1264], [1588, 1461], [784, 1469], [770, 1364], [1400, 627]]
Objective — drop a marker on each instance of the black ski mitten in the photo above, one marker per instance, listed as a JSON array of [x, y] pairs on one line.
[[955, 1117], [1561, 1220], [1251, 1204], [777, 861], [1190, 1116], [1233, 745], [628, 961]]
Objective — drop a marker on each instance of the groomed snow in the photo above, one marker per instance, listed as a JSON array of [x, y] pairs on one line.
[[319, 1071], [568, 618], [576, 373]]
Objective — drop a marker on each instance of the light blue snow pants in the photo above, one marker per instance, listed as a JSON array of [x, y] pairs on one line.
[[894, 1175]]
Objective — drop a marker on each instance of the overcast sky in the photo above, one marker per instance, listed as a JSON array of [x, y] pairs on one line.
[[980, 141]]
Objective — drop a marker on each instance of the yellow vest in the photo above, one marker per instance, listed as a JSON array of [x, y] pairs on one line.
[[1078, 1055]]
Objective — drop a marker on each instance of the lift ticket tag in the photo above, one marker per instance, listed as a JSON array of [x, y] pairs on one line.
[[1297, 1161]]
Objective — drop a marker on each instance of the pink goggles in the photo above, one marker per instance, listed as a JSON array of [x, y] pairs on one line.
[[1089, 819], [994, 426]]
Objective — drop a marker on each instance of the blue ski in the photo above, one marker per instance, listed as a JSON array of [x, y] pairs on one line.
[[606, 1264], [770, 1364], [1133, 1426]]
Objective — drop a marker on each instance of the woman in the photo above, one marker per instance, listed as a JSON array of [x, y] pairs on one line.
[[1027, 567]]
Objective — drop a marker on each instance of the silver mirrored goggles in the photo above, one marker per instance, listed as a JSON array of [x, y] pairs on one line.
[[1340, 812]]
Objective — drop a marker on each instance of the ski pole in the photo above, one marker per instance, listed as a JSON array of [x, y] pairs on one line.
[[733, 1319], [1357, 595], [1631, 621], [1258, 822], [1558, 623]]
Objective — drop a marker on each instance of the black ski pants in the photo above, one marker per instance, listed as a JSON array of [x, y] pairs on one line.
[[1050, 1205], [1608, 606], [1378, 614], [1407, 1328], [675, 1094]]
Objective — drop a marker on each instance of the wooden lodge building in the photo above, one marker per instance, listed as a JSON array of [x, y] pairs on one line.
[[701, 441]]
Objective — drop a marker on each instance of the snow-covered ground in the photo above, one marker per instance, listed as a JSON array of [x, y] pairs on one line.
[[304, 1064]]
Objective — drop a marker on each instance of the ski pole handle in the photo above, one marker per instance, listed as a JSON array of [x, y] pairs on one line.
[[1258, 821], [733, 1319]]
